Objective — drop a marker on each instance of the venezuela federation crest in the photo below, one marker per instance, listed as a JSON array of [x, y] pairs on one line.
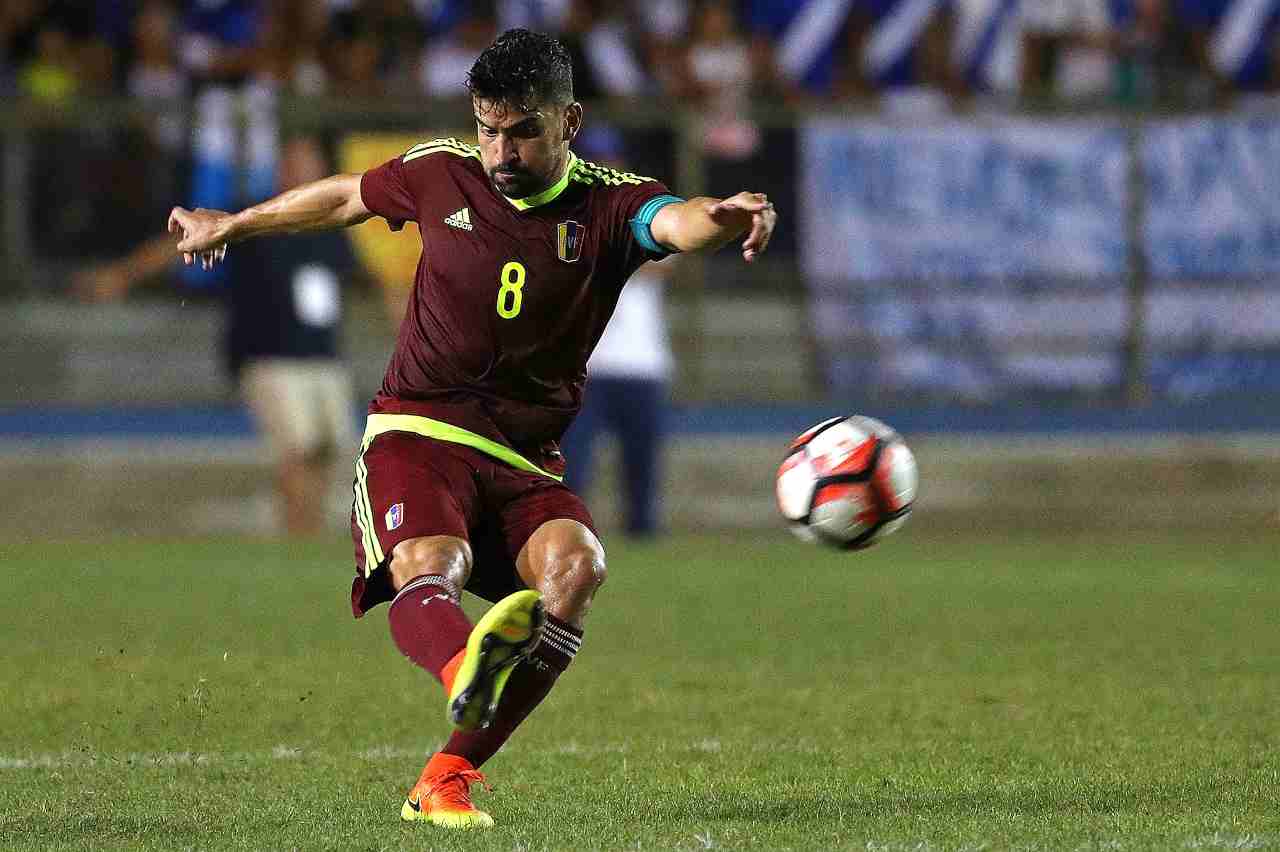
[[569, 239]]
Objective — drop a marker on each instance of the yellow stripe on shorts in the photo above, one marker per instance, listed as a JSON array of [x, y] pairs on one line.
[[373, 554], [377, 424]]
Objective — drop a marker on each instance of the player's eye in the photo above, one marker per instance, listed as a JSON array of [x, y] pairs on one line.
[[487, 131]]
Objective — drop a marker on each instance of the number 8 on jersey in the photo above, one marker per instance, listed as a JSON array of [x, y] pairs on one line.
[[511, 293]]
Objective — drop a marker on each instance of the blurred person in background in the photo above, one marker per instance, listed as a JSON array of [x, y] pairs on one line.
[[1235, 43], [235, 137], [295, 34], [1070, 49], [399, 28], [447, 58], [283, 310], [605, 62], [546, 15], [353, 55], [628, 378], [663, 26], [794, 45], [156, 79], [987, 50], [51, 75], [719, 76], [899, 52]]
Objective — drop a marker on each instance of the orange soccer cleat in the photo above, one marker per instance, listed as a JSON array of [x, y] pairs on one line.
[[442, 795]]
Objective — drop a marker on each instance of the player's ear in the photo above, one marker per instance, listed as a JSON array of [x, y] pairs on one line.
[[572, 121]]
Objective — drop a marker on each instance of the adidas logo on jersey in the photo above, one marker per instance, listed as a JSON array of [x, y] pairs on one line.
[[460, 219]]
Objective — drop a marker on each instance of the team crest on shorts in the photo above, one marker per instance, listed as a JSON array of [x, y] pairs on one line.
[[395, 516], [569, 237]]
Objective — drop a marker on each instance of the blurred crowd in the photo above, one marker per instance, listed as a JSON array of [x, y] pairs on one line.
[[718, 52], [211, 75]]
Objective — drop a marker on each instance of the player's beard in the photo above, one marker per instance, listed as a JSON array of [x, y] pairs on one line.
[[515, 183]]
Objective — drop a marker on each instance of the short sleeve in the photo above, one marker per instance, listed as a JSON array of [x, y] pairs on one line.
[[385, 192], [625, 204]]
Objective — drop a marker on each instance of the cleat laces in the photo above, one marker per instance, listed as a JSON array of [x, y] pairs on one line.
[[452, 790]]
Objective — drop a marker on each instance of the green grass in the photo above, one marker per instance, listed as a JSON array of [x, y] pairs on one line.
[[945, 691]]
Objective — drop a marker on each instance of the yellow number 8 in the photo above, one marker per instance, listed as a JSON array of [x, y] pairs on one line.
[[512, 282]]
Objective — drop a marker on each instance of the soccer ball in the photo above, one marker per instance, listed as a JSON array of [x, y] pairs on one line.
[[847, 482]]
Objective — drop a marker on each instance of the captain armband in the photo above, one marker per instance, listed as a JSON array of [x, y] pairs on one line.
[[640, 225]]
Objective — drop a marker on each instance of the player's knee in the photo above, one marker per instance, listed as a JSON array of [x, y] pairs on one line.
[[577, 572], [445, 556]]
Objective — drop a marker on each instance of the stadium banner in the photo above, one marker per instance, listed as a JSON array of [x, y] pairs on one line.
[[963, 202], [1212, 236], [1212, 197], [967, 260]]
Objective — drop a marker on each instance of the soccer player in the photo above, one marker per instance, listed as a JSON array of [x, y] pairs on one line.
[[525, 251]]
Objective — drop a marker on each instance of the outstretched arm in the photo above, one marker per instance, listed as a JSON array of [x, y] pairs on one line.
[[109, 281], [333, 202], [706, 224]]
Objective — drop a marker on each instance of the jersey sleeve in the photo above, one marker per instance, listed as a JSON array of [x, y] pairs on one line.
[[386, 192], [626, 203]]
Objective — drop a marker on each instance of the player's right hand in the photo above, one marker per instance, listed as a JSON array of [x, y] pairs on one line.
[[204, 234]]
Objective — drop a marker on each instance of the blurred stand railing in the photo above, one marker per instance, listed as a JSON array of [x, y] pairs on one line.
[[85, 181]]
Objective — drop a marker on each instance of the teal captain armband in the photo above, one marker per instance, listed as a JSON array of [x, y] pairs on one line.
[[640, 225]]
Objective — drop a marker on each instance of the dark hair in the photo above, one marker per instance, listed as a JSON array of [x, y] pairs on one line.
[[523, 69]]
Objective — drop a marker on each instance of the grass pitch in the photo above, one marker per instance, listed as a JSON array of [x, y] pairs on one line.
[[948, 690]]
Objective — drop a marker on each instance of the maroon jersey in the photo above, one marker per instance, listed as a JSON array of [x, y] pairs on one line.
[[510, 296]]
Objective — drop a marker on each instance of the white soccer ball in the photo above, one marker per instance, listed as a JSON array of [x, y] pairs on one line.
[[847, 482]]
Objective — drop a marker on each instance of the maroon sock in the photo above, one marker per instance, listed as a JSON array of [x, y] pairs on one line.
[[525, 689], [427, 624]]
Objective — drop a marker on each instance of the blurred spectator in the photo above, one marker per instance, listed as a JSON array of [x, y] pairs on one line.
[[899, 51], [293, 43], [604, 62], [1234, 42], [354, 56], [283, 310], [794, 44], [1069, 49], [1149, 64], [627, 378], [235, 137], [544, 15], [988, 45], [447, 59], [399, 30], [156, 75], [49, 76], [663, 27], [719, 80]]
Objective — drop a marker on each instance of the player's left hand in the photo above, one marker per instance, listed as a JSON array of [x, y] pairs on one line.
[[763, 218]]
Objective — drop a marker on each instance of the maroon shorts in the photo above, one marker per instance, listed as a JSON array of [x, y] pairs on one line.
[[408, 486]]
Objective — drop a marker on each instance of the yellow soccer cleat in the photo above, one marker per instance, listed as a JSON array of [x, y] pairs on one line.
[[506, 634], [442, 795]]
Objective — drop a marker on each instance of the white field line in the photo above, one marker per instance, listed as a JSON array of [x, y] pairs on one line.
[[75, 758]]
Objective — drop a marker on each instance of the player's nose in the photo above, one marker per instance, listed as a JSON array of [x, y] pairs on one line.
[[508, 154]]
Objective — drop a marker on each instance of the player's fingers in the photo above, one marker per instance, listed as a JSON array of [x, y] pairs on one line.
[[188, 258], [745, 204], [761, 231]]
